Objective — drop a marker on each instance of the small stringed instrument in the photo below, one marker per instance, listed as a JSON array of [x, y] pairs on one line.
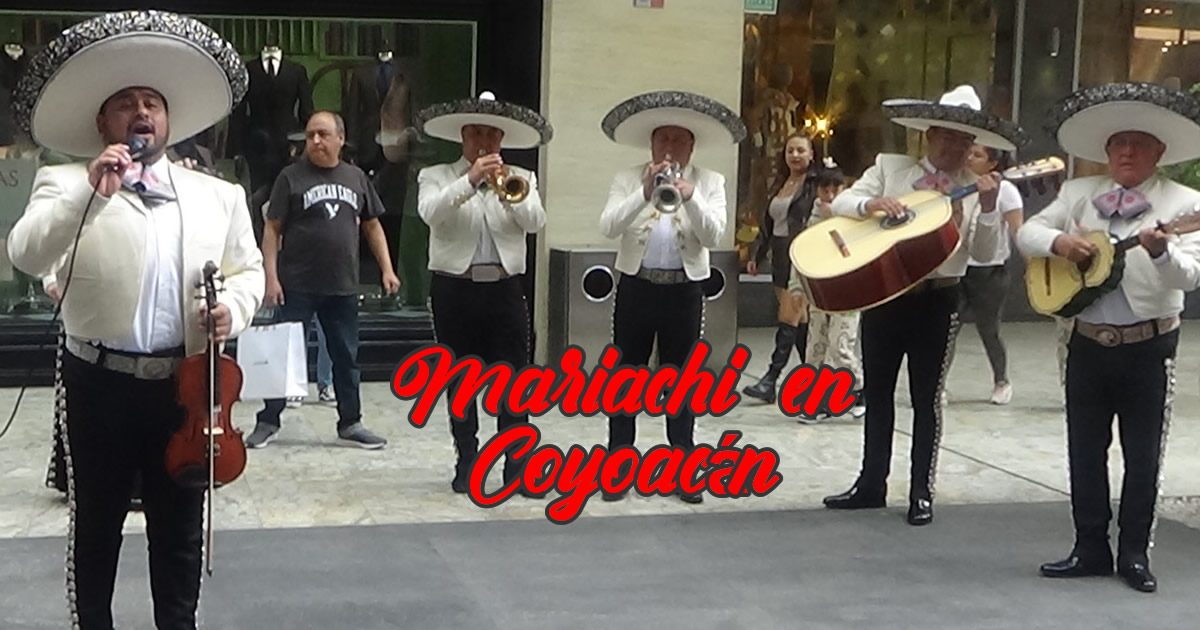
[[1057, 286], [850, 264], [207, 451]]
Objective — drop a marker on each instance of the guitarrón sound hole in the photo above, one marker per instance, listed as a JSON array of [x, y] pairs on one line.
[[890, 221]]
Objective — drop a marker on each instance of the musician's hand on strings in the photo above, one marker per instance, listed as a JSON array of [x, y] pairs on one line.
[[1073, 247], [1154, 240], [989, 191], [222, 321], [889, 205]]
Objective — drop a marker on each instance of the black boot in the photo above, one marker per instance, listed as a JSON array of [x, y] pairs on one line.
[[764, 389], [802, 341], [462, 473]]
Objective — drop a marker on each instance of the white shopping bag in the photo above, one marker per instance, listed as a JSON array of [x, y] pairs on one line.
[[273, 361]]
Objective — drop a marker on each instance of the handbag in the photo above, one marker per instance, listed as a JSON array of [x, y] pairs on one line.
[[274, 361]]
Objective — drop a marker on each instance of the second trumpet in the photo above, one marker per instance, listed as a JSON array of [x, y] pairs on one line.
[[666, 197]]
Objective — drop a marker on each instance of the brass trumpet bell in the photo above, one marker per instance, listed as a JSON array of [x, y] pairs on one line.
[[508, 187]]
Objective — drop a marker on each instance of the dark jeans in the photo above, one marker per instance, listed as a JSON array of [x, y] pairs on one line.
[[984, 290], [117, 426], [338, 315], [643, 312], [923, 327], [488, 320], [1133, 382]]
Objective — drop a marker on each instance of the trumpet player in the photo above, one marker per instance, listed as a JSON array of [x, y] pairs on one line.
[[479, 211], [668, 213]]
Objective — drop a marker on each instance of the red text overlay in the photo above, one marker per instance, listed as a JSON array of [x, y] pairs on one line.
[[612, 388]]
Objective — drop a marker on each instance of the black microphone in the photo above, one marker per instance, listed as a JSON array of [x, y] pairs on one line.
[[138, 148]]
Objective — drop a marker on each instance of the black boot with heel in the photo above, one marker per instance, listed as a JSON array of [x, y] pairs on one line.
[[785, 339]]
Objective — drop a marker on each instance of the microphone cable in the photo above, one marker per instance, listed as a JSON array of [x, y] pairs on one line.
[[137, 150]]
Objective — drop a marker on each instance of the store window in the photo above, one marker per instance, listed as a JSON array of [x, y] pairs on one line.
[[1152, 42], [375, 73], [824, 66]]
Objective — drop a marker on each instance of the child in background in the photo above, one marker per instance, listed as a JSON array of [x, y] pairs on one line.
[[832, 337]]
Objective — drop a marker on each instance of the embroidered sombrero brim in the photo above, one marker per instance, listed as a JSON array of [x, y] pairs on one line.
[[989, 130], [523, 128], [632, 122], [1084, 121], [198, 73]]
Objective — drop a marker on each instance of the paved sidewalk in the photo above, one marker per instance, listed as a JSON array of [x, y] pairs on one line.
[[991, 454]]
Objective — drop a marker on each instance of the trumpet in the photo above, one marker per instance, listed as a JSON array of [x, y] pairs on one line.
[[666, 197], [508, 187]]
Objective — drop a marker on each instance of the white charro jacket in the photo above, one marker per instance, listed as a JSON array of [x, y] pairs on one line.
[[699, 225], [457, 215], [106, 280], [1153, 290]]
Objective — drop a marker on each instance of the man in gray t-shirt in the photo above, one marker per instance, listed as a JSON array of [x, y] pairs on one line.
[[310, 255]]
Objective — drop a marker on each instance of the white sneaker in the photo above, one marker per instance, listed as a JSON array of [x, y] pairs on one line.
[[295, 403], [1002, 394]]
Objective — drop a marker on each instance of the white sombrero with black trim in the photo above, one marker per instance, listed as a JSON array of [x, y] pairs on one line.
[[632, 122], [1084, 121], [960, 110], [198, 73], [523, 128]]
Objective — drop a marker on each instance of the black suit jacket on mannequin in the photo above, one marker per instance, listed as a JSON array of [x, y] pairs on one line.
[[273, 108]]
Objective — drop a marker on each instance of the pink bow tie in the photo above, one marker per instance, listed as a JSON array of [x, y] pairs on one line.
[[146, 184], [938, 181], [1123, 202]]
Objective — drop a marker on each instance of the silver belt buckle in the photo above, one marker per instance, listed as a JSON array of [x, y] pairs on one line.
[[485, 273], [1108, 336]]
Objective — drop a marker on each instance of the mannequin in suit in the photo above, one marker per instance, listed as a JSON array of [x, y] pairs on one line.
[[278, 102], [378, 111]]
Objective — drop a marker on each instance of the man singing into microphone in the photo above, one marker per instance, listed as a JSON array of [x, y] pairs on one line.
[[136, 231]]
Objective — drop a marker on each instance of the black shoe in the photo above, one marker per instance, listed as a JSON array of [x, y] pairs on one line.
[[1074, 566], [857, 498], [612, 496], [764, 389], [1138, 576], [920, 512], [690, 498]]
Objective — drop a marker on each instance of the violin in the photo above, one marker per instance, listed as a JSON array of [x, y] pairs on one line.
[[207, 451]]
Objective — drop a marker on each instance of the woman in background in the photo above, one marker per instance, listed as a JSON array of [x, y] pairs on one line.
[[984, 288], [786, 215]]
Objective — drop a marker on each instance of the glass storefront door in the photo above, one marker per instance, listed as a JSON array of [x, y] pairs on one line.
[[824, 66]]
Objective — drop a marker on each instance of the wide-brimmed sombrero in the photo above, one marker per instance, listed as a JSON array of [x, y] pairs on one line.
[[961, 110], [632, 122], [198, 73], [523, 128], [1084, 121]]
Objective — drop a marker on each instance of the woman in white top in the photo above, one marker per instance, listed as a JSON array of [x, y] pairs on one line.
[[985, 286]]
